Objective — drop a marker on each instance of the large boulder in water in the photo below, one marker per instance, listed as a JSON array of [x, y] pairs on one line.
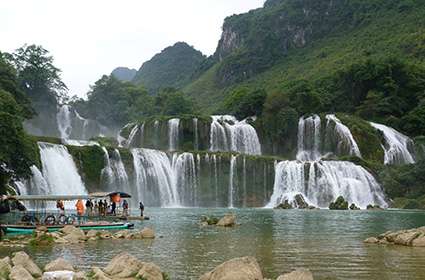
[[150, 271], [123, 265], [5, 267], [59, 264], [21, 258], [147, 233], [18, 272], [301, 274], [339, 204], [228, 220], [245, 268], [300, 202], [284, 205], [98, 274]]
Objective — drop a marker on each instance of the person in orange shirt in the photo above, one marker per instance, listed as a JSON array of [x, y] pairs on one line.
[[80, 207]]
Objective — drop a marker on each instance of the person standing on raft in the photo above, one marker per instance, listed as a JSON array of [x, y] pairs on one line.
[[80, 209], [142, 208]]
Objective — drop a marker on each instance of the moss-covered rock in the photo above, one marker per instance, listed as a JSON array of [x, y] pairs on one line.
[[339, 204]]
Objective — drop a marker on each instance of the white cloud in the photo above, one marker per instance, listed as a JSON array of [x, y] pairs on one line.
[[91, 38]]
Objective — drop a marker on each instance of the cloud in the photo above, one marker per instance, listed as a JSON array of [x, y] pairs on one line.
[[91, 38]]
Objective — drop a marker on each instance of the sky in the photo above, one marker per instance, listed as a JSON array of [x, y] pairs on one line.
[[89, 38]]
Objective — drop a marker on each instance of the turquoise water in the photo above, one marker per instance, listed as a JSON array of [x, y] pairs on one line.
[[329, 243]]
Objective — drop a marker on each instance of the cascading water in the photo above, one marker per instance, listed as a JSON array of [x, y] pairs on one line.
[[107, 174], [322, 182], [309, 138], [396, 146], [155, 179], [231, 180], [173, 134], [60, 171], [131, 136], [64, 121], [229, 134], [345, 140], [195, 132], [184, 168]]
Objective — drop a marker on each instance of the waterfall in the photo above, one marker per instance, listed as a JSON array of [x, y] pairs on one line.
[[131, 136], [229, 134], [309, 138], [396, 146], [345, 140], [173, 134], [63, 119], [120, 172], [59, 170], [231, 179], [185, 171], [155, 178], [37, 183], [107, 174], [195, 132], [324, 182]]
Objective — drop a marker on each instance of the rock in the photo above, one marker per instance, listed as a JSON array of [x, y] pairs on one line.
[[390, 237], [58, 275], [123, 265], [59, 264], [104, 234], [150, 271], [339, 204], [80, 276], [92, 233], [209, 220], [122, 234], [18, 272], [67, 229], [245, 268], [284, 205], [75, 235], [228, 220], [98, 274], [21, 258], [406, 238], [354, 207], [373, 207], [302, 274], [371, 240], [147, 233], [300, 202], [5, 267], [60, 240], [419, 241]]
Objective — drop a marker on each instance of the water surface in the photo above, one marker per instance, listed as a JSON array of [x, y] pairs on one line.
[[329, 243]]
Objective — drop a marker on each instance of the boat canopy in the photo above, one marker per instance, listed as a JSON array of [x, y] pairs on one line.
[[67, 197]]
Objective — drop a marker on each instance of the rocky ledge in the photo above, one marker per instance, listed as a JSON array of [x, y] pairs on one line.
[[72, 234], [411, 237], [126, 266]]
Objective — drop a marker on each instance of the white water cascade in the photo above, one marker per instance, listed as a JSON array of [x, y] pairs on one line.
[[309, 138], [196, 134], [131, 136], [345, 139], [396, 146], [64, 121], [231, 180], [322, 182], [155, 179], [60, 171], [184, 169], [173, 134], [229, 134]]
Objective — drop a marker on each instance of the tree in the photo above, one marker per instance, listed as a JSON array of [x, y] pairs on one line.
[[244, 102], [37, 75], [171, 102]]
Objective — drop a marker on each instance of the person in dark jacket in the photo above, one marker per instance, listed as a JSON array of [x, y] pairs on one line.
[[142, 208]]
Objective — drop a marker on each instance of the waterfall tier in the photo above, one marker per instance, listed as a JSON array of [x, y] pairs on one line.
[[321, 182], [398, 147], [317, 139]]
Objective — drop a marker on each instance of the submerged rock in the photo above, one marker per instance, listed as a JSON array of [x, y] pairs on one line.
[[299, 274], [147, 233], [245, 268], [339, 204], [228, 220], [209, 220]]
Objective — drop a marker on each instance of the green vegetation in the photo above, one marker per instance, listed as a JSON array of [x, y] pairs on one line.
[[90, 162], [244, 102], [174, 67]]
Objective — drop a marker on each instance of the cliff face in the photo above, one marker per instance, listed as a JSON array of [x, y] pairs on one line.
[[173, 67], [252, 42]]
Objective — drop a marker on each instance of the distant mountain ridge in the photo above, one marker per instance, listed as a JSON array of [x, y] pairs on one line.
[[174, 66], [124, 73]]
